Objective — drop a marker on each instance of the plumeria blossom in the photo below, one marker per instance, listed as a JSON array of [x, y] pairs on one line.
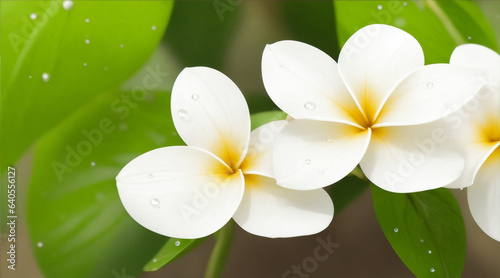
[[477, 126], [224, 172], [372, 109]]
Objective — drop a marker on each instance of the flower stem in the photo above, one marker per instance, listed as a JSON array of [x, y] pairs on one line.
[[220, 252]]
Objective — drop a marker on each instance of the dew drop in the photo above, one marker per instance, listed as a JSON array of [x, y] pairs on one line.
[[380, 7], [151, 176], [405, 4], [396, 230], [67, 4], [329, 139], [430, 85], [84, 64], [105, 68], [39, 244], [177, 243], [155, 260], [430, 251], [321, 172], [153, 27], [308, 161], [310, 105], [469, 38], [155, 202], [33, 16], [461, 188], [183, 114], [421, 240], [195, 97], [30, 77], [432, 269], [121, 45], [87, 20], [92, 163], [87, 41], [45, 77]]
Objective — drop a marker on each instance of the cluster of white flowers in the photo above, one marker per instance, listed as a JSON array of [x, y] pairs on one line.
[[411, 127]]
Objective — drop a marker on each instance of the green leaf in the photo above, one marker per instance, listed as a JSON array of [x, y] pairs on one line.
[[312, 22], [172, 250], [347, 190], [439, 26], [200, 31], [425, 229], [263, 118], [77, 223], [92, 47]]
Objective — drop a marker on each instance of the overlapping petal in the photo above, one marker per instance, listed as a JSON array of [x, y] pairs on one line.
[[272, 211], [209, 112], [428, 94], [259, 159], [182, 192], [484, 196], [478, 57], [313, 154], [412, 158], [304, 82], [374, 60]]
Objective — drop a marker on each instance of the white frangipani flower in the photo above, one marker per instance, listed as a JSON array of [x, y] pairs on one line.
[[224, 172], [477, 126], [372, 108]]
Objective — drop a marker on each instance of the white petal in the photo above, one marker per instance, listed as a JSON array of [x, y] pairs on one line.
[[181, 192], [374, 60], [484, 196], [259, 159], [313, 154], [428, 94], [412, 158], [209, 112], [304, 82], [272, 211], [478, 57]]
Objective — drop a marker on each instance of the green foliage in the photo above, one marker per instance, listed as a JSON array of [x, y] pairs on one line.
[[173, 249], [425, 229], [439, 26], [73, 204], [81, 59]]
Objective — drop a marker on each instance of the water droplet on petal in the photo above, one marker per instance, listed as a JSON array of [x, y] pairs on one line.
[[430, 85], [308, 161], [177, 243], [151, 176], [155, 202], [153, 27], [33, 16], [183, 114], [321, 172], [310, 105], [87, 41], [430, 251], [45, 77], [396, 230], [87, 20], [195, 97], [461, 188], [380, 7], [432, 269], [39, 244], [329, 139], [67, 4], [92, 164]]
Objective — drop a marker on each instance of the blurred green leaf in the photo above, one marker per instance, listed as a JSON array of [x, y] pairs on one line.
[[425, 229], [200, 31], [172, 250], [439, 26], [347, 190], [263, 118], [77, 223], [81, 51], [312, 22]]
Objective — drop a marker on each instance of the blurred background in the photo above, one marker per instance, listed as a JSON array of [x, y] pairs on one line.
[[80, 214]]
